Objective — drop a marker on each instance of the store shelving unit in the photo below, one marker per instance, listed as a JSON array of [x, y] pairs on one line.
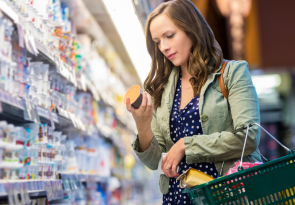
[[17, 110]]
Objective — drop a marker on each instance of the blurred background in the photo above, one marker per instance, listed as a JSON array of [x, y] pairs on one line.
[[67, 64]]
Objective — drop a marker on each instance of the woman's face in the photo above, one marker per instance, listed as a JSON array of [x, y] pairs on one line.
[[172, 41]]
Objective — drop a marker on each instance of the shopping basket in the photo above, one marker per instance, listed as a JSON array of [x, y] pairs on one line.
[[270, 183]]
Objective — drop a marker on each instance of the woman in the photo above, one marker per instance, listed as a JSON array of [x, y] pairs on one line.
[[183, 111]]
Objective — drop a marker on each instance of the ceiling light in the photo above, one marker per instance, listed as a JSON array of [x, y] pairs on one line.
[[129, 28]]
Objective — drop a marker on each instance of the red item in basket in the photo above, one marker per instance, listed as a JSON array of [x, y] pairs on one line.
[[234, 168]]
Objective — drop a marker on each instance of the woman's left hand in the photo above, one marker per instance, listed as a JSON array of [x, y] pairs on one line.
[[173, 158]]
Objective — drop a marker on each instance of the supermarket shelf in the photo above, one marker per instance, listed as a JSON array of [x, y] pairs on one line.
[[35, 188], [10, 146], [32, 195], [10, 165], [8, 11], [84, 177], [61, 67], [98, 24], [15, 113]]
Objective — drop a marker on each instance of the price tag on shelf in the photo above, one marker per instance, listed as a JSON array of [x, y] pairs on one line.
[[9, 189], [41, 185], [28, 185], [53, 190], [73, 118], [30, 111], [27, 110], [19, 103], [43, 112], [35, 115], [27, 197], [2, 189], [83, 82], [78, 123], [75, 78], [55, 117], [63, 113], [67, 114], [22, 193], [65, 182], [61, 193], [34, 186], [15, 193], [51, 119], [48, 190]]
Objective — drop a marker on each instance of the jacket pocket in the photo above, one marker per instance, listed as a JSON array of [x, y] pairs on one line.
[[164, 184]]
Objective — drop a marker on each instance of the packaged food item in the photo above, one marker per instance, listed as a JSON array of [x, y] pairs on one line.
[[193, 177], [40, 133], [14, 174], [135, 95], [8, 156], [234, 168], [3, 124], [40, 171], [50, 132], [71, 160], [20, 136], [15, 156], [45, 134], [2, 154], [56, 138], [34, 156], [7, 174], [44, 157], [11, 138], [33, 130]]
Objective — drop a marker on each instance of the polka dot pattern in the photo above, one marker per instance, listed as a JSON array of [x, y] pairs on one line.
[[185, 122]]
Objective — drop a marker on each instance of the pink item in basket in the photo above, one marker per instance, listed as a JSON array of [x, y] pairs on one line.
[[234, 168]]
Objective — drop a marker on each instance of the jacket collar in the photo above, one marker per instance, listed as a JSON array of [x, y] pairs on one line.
[[170, 86]]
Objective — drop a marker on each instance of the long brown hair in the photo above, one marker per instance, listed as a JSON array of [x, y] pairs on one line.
[[187, 17]]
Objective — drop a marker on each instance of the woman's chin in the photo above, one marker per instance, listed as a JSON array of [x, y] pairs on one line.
[[175, 63]]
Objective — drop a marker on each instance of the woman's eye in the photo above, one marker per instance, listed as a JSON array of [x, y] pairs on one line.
[[157, 43], [170, 36]]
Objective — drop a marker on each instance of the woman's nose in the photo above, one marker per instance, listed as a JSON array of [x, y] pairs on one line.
[[164, 47]]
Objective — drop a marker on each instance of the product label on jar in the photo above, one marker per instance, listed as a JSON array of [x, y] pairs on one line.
[[40, 137], [50, 137]]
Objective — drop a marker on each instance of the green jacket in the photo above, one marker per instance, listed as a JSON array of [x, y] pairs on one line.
[[219, 118]]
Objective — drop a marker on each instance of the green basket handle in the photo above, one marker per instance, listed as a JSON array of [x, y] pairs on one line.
[[240, 168]]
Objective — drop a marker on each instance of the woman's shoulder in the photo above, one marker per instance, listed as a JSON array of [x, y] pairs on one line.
[[238, 71], [237, 66]]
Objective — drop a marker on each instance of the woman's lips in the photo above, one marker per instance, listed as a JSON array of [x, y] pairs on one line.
[[171, 56]]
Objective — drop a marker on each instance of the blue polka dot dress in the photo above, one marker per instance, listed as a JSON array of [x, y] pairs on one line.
[[183, 123]]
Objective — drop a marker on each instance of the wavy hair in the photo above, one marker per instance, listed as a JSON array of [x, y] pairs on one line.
[[187, 17]]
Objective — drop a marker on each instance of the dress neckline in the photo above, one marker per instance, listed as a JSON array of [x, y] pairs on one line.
[[179, 92]]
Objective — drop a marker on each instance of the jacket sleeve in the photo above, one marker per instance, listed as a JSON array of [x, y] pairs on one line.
[[244, 107], [152, 155]]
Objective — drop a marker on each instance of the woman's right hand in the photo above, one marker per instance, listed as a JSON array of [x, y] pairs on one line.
[[144, 114]]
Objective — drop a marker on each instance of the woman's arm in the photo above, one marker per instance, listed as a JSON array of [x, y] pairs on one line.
[[244, 108], [149, 144]]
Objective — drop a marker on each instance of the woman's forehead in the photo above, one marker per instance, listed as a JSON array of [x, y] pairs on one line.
[[160, 25]]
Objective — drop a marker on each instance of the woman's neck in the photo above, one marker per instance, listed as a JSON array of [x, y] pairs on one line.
[[185, 73]]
